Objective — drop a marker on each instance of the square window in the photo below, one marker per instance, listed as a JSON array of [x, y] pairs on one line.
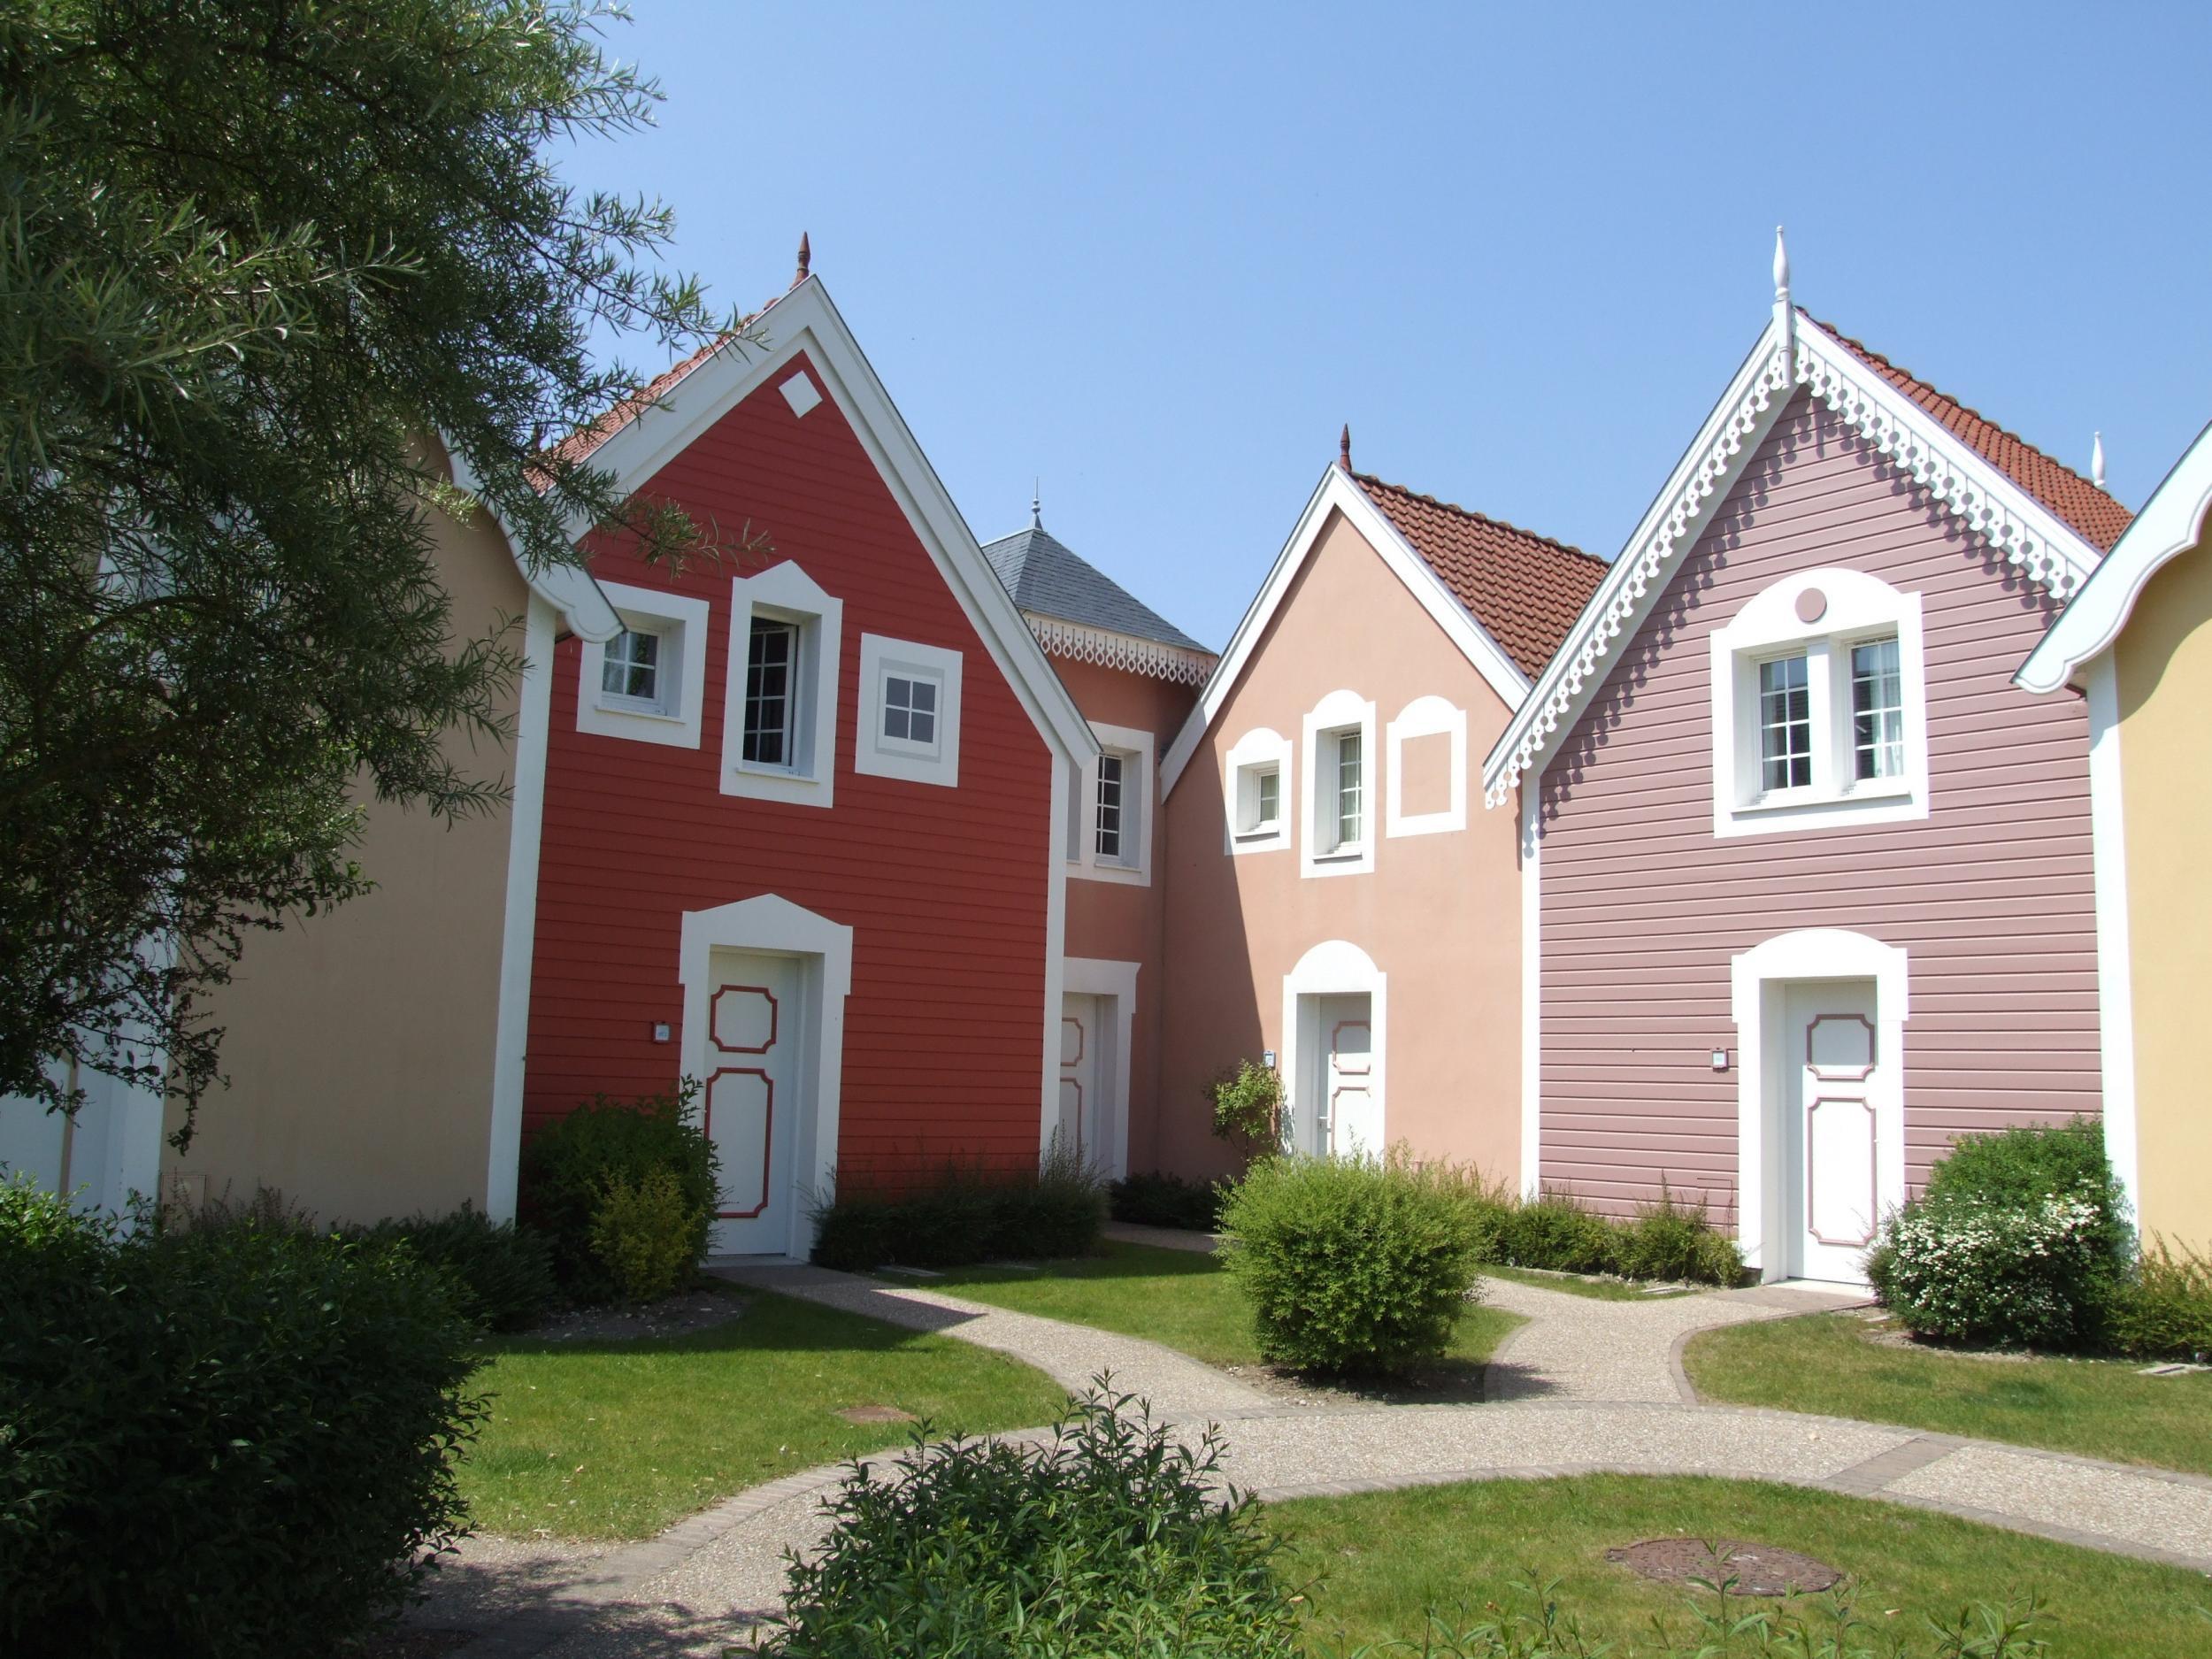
[[771, 693], [910, 709], [631, 667], [1259, 799], [910, 721]]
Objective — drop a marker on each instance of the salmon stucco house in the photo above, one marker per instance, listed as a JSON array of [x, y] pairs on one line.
[[1134, 675], [1808, 879], [1337, 906], [802, 834]]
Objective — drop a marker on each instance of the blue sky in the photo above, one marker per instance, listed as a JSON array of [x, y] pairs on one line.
[[1156, 255]]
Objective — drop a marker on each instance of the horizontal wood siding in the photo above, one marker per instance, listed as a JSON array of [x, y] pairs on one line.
[[1643, 907], [945, 889]]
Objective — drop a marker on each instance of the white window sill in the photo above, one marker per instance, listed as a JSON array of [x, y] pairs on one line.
[[1261, 833], [1884, 789], [1345, 855], [1122, 875], [636, 710]]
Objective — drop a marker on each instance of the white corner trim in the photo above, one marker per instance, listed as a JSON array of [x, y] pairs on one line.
[[519, 925], [1428, 717], [2043, 547], [1755, 977], [1054, 963], [880, 756], [806, 320], [1096, 976], [1857, 606], [2172, 522], [784, 590], [1138, 778], [681, 622], [1263, 746], [1155, 659], [773, 925], [2115, 977], [1532, 992], [1331, 968], [1338, 491], [1316, 857]]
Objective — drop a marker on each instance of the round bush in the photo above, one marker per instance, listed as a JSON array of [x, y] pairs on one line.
[[1351, 1264], [233, 1440], [1965, 1270], [568, 1167], [2020, 1167]]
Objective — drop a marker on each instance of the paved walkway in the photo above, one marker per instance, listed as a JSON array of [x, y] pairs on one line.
[[1587, 1386]]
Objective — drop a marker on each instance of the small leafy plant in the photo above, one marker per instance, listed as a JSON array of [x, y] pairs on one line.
[[1109, 1538], [501, 1274], [1248, 1104], [642, 1233], [965, 1213], [2166, 1312], [1168, 1201], [1351, 1264], [569, 1167]]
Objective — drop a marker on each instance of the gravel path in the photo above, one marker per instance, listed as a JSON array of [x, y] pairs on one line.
[[1587, 1386]]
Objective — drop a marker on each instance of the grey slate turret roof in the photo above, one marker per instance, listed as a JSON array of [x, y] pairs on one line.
[[1047, 578]]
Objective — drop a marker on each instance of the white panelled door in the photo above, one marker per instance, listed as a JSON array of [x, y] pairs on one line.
[[751, 1103], [1832, 1166], [1085, 1085], [1347, 1045]]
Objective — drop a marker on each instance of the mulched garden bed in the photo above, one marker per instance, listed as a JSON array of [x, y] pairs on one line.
[[674, 1316], [1744, 1568]]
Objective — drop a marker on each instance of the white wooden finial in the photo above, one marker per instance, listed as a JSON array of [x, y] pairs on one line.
[[2096, 463], [1785, 313], [1781, 269]]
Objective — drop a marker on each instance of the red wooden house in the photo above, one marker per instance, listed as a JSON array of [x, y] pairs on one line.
[[802, 828]]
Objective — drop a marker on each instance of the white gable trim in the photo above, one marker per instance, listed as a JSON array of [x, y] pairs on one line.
[[1080, 642], [2169, 526], [1340, 491], [568, 588], [806, 320], [2046, 550]]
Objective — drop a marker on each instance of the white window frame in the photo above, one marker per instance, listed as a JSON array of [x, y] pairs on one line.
[[1429, 717], [1258, 750], [1139, 793], [880, 757], [1339, 711], [1856, 608], [673, 718], [788, 594]]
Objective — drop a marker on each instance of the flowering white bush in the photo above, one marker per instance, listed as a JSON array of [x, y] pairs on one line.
[[1971, 1272]]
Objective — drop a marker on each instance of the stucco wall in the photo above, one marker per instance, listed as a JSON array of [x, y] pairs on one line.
[[1439, 914], [359, 1042], [2165, 662], [1118, 921], [1642, 906]]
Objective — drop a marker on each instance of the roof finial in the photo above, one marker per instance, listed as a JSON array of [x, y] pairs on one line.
[[1785, 312], [2096, 463], [1036, 505], [806, 259], [1344, 448], [1781, 269]]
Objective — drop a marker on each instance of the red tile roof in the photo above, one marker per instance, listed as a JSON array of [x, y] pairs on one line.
[[2078, 503], [1526, 589]]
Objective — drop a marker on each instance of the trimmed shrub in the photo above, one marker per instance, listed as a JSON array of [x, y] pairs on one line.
[[1109, 1540], [569, 1167], [966, 1215], [2166, 1312], [2018, 1168], [642, 1234], [501, 1275], [231, 1439], [1160, 1200], [1351, 1264], [1671, 1239], [1556, 1231], [1968, 1271]]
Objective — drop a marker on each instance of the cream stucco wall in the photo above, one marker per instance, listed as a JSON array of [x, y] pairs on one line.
[[2165, 673], [1439, 914], [360, 1044]]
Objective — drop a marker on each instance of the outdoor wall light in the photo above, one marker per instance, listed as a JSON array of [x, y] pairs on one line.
[[1720, 1059], [660, 1031]]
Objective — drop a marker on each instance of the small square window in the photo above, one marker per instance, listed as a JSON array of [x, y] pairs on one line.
[[630, 668], [1259, 800], [910, 709], [647, 682]]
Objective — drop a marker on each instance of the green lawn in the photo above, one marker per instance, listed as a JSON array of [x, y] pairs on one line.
[[1180, 1298], [1384, 1559], [618, 1440], [1828, 1363], [1576, 1285]]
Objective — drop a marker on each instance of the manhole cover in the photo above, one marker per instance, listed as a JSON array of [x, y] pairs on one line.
[[1757, 1568], [876, 1414]]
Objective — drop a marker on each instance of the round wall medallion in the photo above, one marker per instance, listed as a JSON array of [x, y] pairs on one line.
[[1812, 604]]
